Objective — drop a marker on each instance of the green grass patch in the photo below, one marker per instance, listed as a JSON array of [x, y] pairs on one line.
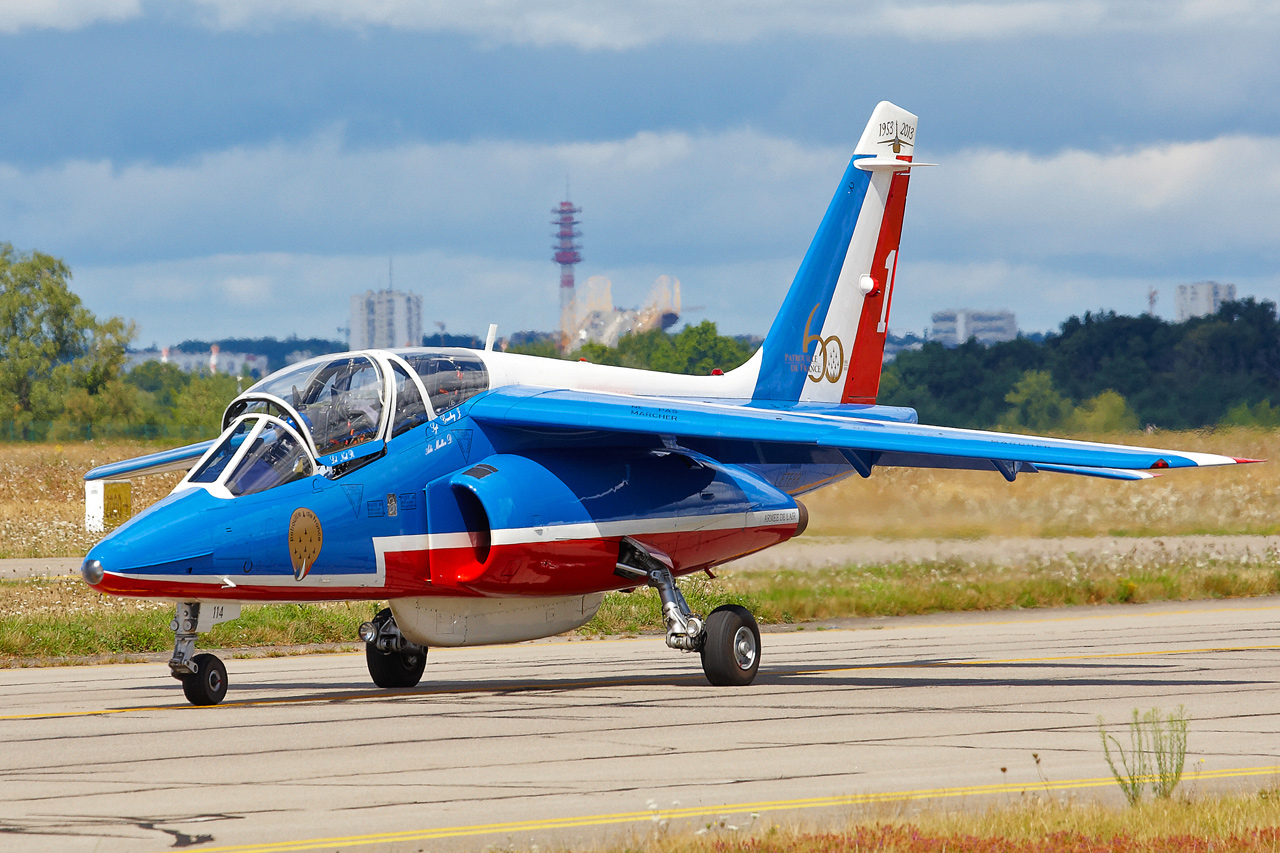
[[902, 589], [64, 618], [61, 617], [634, 612]]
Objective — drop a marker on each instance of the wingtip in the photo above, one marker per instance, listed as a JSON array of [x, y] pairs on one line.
[[1241, 461]]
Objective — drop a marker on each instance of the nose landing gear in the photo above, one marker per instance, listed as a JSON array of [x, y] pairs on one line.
[[203, 676], [729, 639]]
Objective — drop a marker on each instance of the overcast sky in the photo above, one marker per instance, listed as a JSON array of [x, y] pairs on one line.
[[214, 168]]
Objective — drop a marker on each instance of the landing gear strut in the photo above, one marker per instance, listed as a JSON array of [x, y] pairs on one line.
[[729, 640], [203, 677], [393, 660]]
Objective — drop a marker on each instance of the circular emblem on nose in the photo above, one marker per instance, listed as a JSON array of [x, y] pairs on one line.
[[305, 539]]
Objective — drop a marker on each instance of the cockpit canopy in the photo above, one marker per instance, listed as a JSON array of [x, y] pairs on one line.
[[330, 413], [340, 401], [275, 455]]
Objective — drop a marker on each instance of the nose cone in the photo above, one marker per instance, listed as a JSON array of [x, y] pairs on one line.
[[92, 572], [169, 539]]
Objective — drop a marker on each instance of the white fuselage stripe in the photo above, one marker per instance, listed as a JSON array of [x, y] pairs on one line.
[[607, 529], [383, 545]]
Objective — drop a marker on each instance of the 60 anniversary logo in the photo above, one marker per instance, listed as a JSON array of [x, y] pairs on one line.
[[828, 358]]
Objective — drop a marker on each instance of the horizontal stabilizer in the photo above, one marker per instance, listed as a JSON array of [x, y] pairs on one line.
[[178, 459], [884, 163], [1104, 473]]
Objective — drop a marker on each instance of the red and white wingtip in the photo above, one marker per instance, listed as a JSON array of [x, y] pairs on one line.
[[1207, 460]]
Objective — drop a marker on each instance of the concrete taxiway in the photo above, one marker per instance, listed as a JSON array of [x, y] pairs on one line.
[[561, 740]]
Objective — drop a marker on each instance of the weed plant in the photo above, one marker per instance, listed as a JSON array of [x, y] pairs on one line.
[[1156, 755]]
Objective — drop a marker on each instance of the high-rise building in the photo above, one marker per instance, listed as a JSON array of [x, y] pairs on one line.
[[385, 318], [954, 327], [1202, 298]]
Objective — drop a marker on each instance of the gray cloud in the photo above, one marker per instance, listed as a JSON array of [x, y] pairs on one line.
[[619, 26], [592, 25], [17, 15], [279, 234]]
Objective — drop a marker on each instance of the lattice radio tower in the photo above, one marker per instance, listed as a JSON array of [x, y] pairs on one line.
[[566, 255]]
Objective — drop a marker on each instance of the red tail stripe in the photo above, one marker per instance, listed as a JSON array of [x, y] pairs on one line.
[[863, 380]]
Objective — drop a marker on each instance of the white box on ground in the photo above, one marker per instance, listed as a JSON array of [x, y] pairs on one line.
[[107, 503]]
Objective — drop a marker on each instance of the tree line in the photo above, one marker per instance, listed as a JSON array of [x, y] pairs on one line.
[[63, 371], [695, 350], [1103, 372]]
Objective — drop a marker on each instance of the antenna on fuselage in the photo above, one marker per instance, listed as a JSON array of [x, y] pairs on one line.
[[492, 336]]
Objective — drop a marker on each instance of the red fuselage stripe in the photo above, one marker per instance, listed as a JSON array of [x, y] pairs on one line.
[[569, 567]]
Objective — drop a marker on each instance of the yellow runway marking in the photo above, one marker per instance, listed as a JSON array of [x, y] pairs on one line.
[[693, 812], [1097, 656], [616, 682], [497, 687], [1082, 618]]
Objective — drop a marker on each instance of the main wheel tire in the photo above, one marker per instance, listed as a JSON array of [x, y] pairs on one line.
[[208, 684], [731, 651], [393, 669]]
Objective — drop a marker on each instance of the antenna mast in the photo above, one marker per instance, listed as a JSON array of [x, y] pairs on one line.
[[566, 255]]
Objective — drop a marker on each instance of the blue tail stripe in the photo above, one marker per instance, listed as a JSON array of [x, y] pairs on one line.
[[786, 357]]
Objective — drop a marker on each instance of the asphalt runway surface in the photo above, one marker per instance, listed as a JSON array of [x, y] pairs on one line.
[[560, 742]]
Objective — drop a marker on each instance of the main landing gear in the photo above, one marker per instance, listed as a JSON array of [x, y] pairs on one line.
[[393, 660], [729, 639], [203, 676]]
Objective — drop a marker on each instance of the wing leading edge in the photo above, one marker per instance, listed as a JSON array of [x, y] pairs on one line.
[[865, 442], [177, 459]]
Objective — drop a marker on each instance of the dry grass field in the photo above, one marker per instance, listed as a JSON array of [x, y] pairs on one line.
[[42, 494], [905, 503], [1032, 823], [42, 515], [42, 497]]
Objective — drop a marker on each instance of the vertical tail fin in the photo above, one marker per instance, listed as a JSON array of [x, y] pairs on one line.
[[827, 342]]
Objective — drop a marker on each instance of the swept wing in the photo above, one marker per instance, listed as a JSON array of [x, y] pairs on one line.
[[865, 440], [177, 459]]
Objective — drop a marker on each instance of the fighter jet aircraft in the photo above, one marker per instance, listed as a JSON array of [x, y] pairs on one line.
[[491, 497]]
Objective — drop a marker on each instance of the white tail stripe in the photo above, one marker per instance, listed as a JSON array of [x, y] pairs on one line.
[[841, 322]]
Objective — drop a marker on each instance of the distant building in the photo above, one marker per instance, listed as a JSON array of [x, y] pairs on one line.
[[952, 328], [385, 318], [1202, 298], [212, 361], [600, 322], [894, 344]]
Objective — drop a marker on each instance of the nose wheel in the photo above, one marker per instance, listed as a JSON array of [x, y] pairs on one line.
[[208, 684]]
